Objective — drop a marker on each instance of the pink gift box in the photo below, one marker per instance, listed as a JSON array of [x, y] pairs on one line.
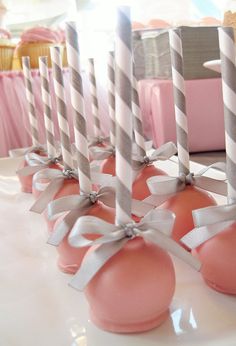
[[204, 109]]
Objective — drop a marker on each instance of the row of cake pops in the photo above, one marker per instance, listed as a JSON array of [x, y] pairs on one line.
[[129, 265]]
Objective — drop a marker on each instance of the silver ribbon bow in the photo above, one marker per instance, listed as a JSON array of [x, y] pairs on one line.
[[209, 222], [76, 206], [163, 153], [36, 163], [102, 153], [55, 179], [23, 151], [155, 227], [97, 140], [164, 187]]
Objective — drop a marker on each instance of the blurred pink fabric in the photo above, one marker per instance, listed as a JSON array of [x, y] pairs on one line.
[[14, 124], [204, 109], [204, 105]]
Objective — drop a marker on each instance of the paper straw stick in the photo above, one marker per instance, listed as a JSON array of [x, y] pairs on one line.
[[138, 126], [176, 53], [47, 106], [77, 100], [93, 91], [111, 97], [61, 107], [124, 117], [30, 99], [228, 70]]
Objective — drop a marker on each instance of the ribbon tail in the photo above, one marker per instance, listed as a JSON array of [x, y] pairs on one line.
[[213, 185], [174, 248], [140, 208], [199, 235], [94, 261], [103, 179], [63, 228], [47, 195], [30, 170], [157, 200]]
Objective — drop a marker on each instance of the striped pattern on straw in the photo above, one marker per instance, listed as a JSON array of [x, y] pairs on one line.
[[61, 107], [111, 97], [47, 106], [227, 54], [179, 100], [124, 118], [93, 92], [77, 100], [30, 99]]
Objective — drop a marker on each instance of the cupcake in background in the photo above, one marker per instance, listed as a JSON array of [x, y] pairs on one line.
[[6, 50], [157, 24], [210, 21], [36, 42], [138, 26]]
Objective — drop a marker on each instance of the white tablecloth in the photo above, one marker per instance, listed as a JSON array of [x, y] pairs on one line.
[[38, 308]]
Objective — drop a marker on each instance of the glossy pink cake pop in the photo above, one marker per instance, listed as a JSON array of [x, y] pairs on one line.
[[26, 181], [182, 205], [108, 166], [218, 258], [133, 290], [140, 188], [70, 187], [70, 258]]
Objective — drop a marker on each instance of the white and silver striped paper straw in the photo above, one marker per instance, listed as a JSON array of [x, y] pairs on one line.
[[61, 107], [31, 103], [111, 97], [124, 118], [228, 70], [47, 106], [93, 92], [138, 126], [176, 53], [77, 100]]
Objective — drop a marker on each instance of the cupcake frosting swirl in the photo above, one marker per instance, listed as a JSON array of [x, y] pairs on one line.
[[40, 34]]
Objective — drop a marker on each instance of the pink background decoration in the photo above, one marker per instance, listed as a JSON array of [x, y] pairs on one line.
[[204, 108], [14, 124], [204, 105]]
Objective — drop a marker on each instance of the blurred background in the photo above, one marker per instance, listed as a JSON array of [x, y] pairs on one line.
[[98, 14]]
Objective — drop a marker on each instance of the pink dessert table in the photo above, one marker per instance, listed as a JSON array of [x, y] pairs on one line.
[[14, 124], [204, 107]]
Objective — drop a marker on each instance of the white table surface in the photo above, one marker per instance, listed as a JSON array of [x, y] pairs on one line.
[[38, 308]]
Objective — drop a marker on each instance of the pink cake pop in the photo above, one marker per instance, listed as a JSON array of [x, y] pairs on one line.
[[108, 166], [218, 259], [190, 197], [122, 283], [123, 274], [143, 269], [70, 258], [182, 204], [216, 226], [88, 201], [129, 280]]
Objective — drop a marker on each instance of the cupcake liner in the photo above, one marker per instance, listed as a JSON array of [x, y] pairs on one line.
[[35, 50], [6, 57]]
